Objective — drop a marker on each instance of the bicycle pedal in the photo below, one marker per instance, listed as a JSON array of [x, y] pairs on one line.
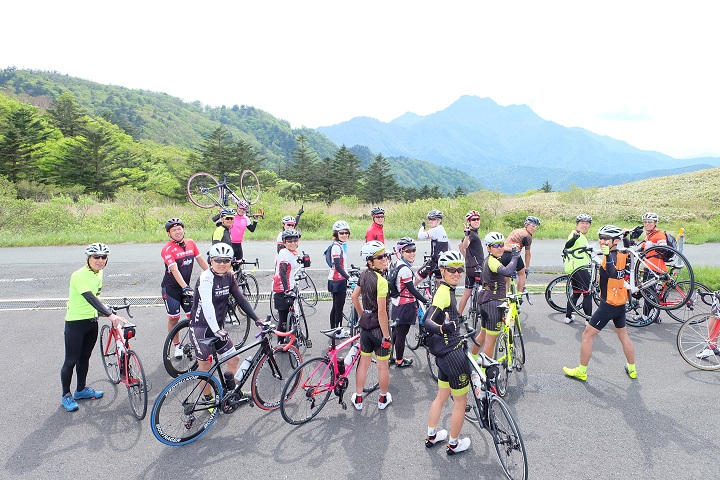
[[343, 405], [308, 343]]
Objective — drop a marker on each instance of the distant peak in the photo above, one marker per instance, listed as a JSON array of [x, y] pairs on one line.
[[407, 119]]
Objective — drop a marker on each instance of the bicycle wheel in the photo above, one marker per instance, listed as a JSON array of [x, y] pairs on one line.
[[136, 385], [694, 337], [237, 326], [692, 307], [250, 187], [636, 315], [108, 355], [308, 292], [307, 390], [351, 321], [501, 349], [306, 331], [174, 365], [204, 190], [272, 306], [413, 337], [271, 374], [372, 382], [555, 293], [591, 285], [507, 439], [181, 414], [249, 287], [518, 347], [432, 365], [680, 270]]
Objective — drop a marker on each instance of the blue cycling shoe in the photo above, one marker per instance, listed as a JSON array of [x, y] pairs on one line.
[[88, 392], [69, 403]]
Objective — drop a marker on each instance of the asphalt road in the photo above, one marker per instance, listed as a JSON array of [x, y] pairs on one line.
[[661, 425]]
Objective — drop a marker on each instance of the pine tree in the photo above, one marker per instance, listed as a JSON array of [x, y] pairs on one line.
[[380, 184], [21, 135], [67, 115]]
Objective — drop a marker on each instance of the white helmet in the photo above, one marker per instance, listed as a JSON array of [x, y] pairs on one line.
[[650, 217], [340, 225], [494, 237], [96, 249], [610, 231], [221, 250], [583, 217], [451, 259], [371, 249]]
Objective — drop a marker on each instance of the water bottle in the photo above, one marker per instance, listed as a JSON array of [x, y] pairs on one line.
[[351, 355], [243, 368], [229, 381], [477, 383]]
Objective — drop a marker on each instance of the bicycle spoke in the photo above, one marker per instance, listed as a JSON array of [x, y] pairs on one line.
[[204, 190], [307, 391], [271, 374], [136, 385], [507, 439]]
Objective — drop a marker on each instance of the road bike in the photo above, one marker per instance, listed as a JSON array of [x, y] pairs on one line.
[[697, 339], [183, 412], [179, 358], [247, 282], [556, 293], [304, 286], [475, 311], [509, 345], [121, 363], [308, 388], [491, 413], [351, 317], [413, 337], [205, 191]]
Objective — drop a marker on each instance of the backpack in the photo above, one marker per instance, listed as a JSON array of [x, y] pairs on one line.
[[328, 254], [391, 277], [669, 256]]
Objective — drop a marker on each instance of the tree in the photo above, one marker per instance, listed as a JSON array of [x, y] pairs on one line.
[[346, 172], [217, 152], [379, 184], [303, 168], [22, 134], [67, 115], [546, 188], [459, 192]]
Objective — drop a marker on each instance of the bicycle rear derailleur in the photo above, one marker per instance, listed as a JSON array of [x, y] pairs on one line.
[[340, 391]]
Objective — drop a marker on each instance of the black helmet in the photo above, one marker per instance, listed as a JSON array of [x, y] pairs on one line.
[[173, 222]]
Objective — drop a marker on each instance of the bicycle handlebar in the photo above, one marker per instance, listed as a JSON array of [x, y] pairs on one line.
[[125, 306]]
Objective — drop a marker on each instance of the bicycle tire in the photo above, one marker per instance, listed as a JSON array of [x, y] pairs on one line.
[[372, 381], [272, 306], [250, 187], [593, 287], [352, 321], [237, 326], [136, 386], [307, 390], [270, 375], [556, 293], [204, 190], [412, 340], [637, 305], [692, 338], [501, 346], [249, 287], [432, 364], [180, 414], [175, 366], [507, 439], [688, 275], [306, 332], [693, 306], [109, 358], [518, 346], [307, 290]]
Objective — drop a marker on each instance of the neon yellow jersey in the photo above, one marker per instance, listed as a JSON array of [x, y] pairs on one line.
[[81, 281], [382, 286]]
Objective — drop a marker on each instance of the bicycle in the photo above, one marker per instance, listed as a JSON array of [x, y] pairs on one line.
[[697, 339], [556, 293], [305, 286], [308, 388], [183, 413], [509, 345], [121, 363], [491, 413], [246, 281], [205, 191], [351, 318], [475, 312], [422, 336]]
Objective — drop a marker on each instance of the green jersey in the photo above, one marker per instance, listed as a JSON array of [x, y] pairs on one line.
[[81, 281]]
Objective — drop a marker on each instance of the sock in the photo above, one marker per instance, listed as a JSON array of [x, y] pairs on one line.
[[631, 366], [176, 343], [475, 357], [453, 442], [582, 368], [383, 397], [432, 432]]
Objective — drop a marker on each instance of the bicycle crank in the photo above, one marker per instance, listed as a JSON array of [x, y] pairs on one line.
[[232, 401]]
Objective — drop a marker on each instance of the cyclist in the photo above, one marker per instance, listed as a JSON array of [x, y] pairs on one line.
[[370, 301], [375, 230], [338, 277], [438, 242], [614, 296], [442, 320], [81, 324], [237, 229], [404, 306], [494, 275], [289, 222], [521, 238], [222, 232], [653, 237], [212, 291], [178, 255], [472, 247], [286, 264], [580, 280]]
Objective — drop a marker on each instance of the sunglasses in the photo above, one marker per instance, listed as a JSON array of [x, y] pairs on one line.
[[497, 245], [381, 257], [432, 218], [343, 233], [475, 219], [98, 257], [603, 237], [222, 260], [228, 218], [455, 269], [289, 224], [379, 216], [292, 240], [409, 250]]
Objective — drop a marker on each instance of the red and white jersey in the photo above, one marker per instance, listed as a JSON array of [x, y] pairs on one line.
[[182, 254]]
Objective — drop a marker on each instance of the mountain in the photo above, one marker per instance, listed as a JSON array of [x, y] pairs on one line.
[[508, 148]]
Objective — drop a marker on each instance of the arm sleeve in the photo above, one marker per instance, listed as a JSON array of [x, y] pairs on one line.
[[284, 271], [411, 288], [423, 234], [509, 269], [97, 304], [433, 320], [243, 302], [572, 240], [340, 269], [252, 226]]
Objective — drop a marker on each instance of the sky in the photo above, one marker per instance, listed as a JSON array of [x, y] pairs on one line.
[[646, 72]]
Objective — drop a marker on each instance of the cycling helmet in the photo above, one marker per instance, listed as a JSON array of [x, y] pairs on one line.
[[288, 219], [451, 259], [340, 225], [227, 212], [583, 217], [610, 231], [243, 204], [532, 221], [472, 213], [96, 249], [404, 243], [435, 214], [221, 250], [292, 233], [494, 237], [371, 249], [173, 222], [650, 217], [377, 211]]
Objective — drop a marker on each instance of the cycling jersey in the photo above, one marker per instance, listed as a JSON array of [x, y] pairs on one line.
[[81, 281], [212, 292], [576, 240], [439, 241], [183, 255], [493, 278], [519, 238], [372, 285], [475, 253], [285, 264], [237, 231], [656, 262], [221, 234], [443, 309], [405, 274], [337, 252], [375, 232]]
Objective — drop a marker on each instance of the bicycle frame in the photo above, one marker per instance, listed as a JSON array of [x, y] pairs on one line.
[[340, 377]]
